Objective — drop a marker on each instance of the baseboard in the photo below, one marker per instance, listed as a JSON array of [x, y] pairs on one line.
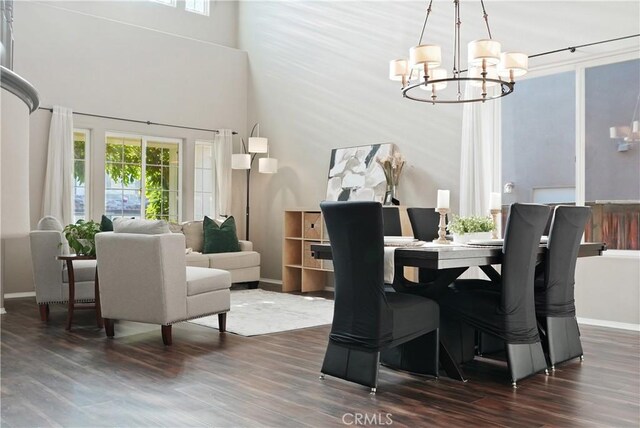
[[19, 295], [609, 324], [271, 281]]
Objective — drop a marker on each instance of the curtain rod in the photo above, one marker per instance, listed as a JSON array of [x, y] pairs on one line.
[[572, 49], [146, 122]]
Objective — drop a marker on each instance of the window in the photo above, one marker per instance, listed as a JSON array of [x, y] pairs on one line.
[[142, 177], [203, 183], [80, 174], [197, 6], [166, 2], [558, 146]]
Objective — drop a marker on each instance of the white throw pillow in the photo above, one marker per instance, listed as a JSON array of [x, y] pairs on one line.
[[144, 227]]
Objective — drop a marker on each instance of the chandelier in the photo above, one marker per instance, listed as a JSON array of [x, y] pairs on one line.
[[488, 67], [625, 135]]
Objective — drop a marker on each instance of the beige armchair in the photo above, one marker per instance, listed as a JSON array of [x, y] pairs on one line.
[[144, 278], [50, 275]]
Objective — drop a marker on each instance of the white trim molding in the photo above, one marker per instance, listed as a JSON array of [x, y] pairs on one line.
[[20, 295], [271, 281], [609, 324]]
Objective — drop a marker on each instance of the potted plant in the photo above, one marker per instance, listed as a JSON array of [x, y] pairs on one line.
[[465, 229], [82, 236]]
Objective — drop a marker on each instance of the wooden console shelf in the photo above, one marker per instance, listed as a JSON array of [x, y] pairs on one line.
[[300, 271], [304, 227]]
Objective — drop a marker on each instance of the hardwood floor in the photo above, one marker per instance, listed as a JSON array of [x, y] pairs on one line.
[[51, 377]]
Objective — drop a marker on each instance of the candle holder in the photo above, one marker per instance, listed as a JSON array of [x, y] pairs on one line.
[[442, 227], [494, 232]]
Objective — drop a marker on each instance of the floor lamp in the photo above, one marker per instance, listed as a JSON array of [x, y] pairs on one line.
[[245, 160]]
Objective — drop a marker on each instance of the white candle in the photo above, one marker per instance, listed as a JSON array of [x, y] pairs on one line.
[[443, 200], [494, 201]]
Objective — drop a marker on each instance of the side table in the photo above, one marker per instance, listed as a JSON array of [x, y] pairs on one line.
[[69, 259]]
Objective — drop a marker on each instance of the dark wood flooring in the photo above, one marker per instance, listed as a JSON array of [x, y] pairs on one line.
[[51, 377]]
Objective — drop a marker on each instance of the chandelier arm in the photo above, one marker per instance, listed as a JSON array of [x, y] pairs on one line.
[[506, 89], [424, 24], [486, 18]]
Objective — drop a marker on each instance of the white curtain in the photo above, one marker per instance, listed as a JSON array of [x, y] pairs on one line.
[[58, 185], [223, 148], [480, 154]]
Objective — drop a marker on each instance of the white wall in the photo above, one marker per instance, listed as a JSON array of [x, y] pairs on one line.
[[100, 65], [220, 27], [318, 80]]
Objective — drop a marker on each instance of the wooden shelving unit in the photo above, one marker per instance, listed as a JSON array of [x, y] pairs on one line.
[[300, 271]]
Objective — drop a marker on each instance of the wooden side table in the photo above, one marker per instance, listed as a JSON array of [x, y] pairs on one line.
[[72, 306]]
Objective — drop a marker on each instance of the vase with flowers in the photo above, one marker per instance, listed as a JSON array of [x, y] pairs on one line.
[[392, 167]]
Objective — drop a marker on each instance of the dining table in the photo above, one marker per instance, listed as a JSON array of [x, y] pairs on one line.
[[450, 261]]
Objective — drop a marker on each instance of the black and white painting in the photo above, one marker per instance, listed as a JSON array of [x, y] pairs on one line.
[[354, 174]]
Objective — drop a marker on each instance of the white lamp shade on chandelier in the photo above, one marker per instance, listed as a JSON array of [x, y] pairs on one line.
[[483, 51], [476, 72], [421, 55], [268, 165], [513, 64], [436, 74], [241, 161], [258, 145], [486, 66]]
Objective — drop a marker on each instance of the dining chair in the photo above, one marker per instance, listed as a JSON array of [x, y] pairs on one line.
[[425, 225], [509, 312], [554, 285], [371, 326], [391, 221]]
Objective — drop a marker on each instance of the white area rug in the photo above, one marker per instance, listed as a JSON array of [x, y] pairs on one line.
[[255, 312]]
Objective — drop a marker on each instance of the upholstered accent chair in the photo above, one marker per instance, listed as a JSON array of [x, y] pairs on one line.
[[369, 325], [144, 278], [554, 285], [50, 275]]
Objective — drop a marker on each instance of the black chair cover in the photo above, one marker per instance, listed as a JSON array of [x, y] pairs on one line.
[[555, 286], [424, 222], [367, 322], [391, 221], [363, 313], [510, 313]]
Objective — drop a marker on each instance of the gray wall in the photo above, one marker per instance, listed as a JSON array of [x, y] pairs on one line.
[[611, 93], [538, 135]]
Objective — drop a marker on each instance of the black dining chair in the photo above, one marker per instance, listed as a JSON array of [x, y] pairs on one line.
[[509, 312], [371, 326], [554, 285], [425, 224], [391, 221]]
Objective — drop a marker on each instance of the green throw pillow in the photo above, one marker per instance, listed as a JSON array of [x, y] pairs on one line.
[[106, 225], [220, 239]]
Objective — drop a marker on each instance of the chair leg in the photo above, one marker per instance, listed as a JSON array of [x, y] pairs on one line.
[[222, 322], [166, 335], [44, 312], [108, 327], [353, 365], [525, 359]]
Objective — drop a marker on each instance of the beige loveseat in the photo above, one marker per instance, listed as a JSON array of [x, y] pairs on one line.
[[244, 265]]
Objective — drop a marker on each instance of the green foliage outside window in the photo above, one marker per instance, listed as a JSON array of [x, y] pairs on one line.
[[123, 165]]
